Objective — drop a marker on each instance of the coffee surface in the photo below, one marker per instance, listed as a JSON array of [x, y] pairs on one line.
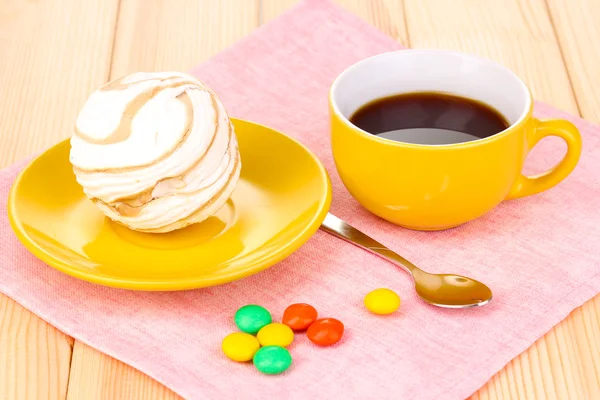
[[429, 118]]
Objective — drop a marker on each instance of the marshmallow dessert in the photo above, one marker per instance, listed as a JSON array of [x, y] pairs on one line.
[[155, 151]]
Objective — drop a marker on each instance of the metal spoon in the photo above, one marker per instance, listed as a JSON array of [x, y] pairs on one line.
[[442, 290]]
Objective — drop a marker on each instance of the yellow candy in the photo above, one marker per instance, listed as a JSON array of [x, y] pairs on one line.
[[240, 346], [382, 301], [275, 335]]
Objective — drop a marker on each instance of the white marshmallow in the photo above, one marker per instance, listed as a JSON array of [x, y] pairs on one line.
[[155, 151]]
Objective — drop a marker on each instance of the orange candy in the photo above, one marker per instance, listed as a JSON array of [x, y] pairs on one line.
[[299, 316], [325, 331]]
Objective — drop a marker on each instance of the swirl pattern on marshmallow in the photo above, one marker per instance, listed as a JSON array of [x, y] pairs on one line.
[[155, 151]]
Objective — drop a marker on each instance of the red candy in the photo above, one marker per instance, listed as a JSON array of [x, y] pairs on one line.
[[299, 316], [325, 331]]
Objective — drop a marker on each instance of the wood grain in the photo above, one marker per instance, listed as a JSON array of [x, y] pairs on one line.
[[271, 9], [561, 364], [96, 376], [516, 33], [577, 28], [564, 364], [553, 367], [48, 65], [178, 34], [54, 64], [34, 356], [170, 35], [53, 53]]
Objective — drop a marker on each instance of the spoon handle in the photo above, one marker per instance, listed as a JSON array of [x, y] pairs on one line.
[[341, 229]]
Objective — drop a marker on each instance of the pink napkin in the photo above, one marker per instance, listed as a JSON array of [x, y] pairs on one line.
[[538, 254]]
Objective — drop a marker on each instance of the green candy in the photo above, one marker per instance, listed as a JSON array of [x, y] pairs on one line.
[[272, 360], [251, 318]]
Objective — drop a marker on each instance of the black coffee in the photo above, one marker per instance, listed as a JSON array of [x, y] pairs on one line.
[[429, 118]]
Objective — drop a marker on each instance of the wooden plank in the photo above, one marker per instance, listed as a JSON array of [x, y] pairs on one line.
[[34, 356], [178, 34], [516, 33], [577, 28], [387, 15], [564, 363], [584, 324], [49, 66], [97, 376], [552, 367], [271, 9], [566, 350], [170, 35], [505, 31]]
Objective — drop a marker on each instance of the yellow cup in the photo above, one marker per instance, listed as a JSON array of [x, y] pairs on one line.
[[433, 187]]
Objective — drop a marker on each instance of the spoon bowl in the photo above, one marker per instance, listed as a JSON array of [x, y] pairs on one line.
[[451, 291], [441, 290]]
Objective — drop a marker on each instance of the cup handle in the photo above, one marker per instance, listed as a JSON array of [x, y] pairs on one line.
[[528, 185]]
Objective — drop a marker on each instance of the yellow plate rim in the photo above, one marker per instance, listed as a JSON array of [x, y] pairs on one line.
[[253, 268]]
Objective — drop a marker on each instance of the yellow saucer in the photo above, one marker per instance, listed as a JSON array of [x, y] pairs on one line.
[[280, 201]]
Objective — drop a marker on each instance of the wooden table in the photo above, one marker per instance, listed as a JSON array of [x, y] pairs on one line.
[[53, 53]]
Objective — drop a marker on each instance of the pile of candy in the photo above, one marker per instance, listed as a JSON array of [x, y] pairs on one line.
[[268, 348], [264, 341]]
